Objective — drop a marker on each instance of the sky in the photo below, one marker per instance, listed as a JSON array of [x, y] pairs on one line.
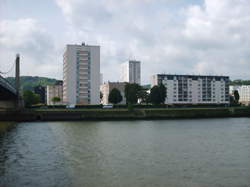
[[210, 37]]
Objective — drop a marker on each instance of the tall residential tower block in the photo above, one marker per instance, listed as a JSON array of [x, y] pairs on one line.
[[81, 74], [131, 72]]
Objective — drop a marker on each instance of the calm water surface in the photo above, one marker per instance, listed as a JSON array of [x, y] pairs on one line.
[[207, 152]]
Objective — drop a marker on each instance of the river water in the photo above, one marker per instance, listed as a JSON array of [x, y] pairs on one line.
[[205, 152]]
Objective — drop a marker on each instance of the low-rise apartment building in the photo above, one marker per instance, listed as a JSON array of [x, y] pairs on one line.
[[244, 92], [55, 90], [194, 89], [106, 89]]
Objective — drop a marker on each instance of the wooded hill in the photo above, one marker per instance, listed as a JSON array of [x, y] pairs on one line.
[[29, 82]]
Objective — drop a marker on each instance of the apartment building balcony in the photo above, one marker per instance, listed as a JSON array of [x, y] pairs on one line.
[[83, 74], [83, 87], [83, 53]]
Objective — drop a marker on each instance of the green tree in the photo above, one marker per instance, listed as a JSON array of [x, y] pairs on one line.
[[30, 98], [239, 82], [115, 96], [56, 99], [236, 96], [155, 95], [132, 93], [158, 94], [163, 93], [143, 96]]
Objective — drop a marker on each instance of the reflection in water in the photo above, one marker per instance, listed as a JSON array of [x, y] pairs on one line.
[[212, 152]]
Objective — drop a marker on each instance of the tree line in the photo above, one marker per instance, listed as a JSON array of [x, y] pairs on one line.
[[239, 82], [134, 93], [30, 98]]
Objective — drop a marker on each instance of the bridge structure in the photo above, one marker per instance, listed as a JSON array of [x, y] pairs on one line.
[[9, 94]]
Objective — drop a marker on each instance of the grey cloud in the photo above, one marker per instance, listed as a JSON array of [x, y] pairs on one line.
[[35, 45], [209, 37], [25, 36]]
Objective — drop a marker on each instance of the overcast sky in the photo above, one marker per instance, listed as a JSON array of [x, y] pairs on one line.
[[168, 36]]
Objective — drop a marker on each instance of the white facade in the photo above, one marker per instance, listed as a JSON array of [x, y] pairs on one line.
[[81, 74], [54, 91], [106, 89], [101, 78], [194, 89], [131, 72], [244, 92]]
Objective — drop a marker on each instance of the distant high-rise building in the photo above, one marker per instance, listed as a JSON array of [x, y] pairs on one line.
[[194, 89], [81, 74], [131, 72], [55, 90]]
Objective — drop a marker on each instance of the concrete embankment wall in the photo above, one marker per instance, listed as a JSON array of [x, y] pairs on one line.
[[121, 114], [7, 104]]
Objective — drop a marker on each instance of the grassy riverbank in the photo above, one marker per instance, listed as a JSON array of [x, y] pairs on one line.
[[136, 109], [62, 114], [4, 126]]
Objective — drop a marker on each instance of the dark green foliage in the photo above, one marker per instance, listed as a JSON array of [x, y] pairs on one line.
[[132, 92], [56, 99], [30, 98], [155, 95], [163, 93], [135, 92], [29, 82], [239, 82], [158, 94], [130, 107], [143, 96], [236, 96], [115, 96]]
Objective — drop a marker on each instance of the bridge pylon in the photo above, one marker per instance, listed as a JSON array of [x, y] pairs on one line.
[[19, 103]]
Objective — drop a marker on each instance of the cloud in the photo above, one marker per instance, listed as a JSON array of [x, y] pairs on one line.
[[168, 36], [35, 45], [207, 38], [217, 34]]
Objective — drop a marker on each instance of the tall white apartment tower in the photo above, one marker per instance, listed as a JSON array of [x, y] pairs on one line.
[[81, 74], [131, 72]]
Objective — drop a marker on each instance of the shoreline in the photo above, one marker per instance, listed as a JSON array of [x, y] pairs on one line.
[[122, 114], [6, 125]]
